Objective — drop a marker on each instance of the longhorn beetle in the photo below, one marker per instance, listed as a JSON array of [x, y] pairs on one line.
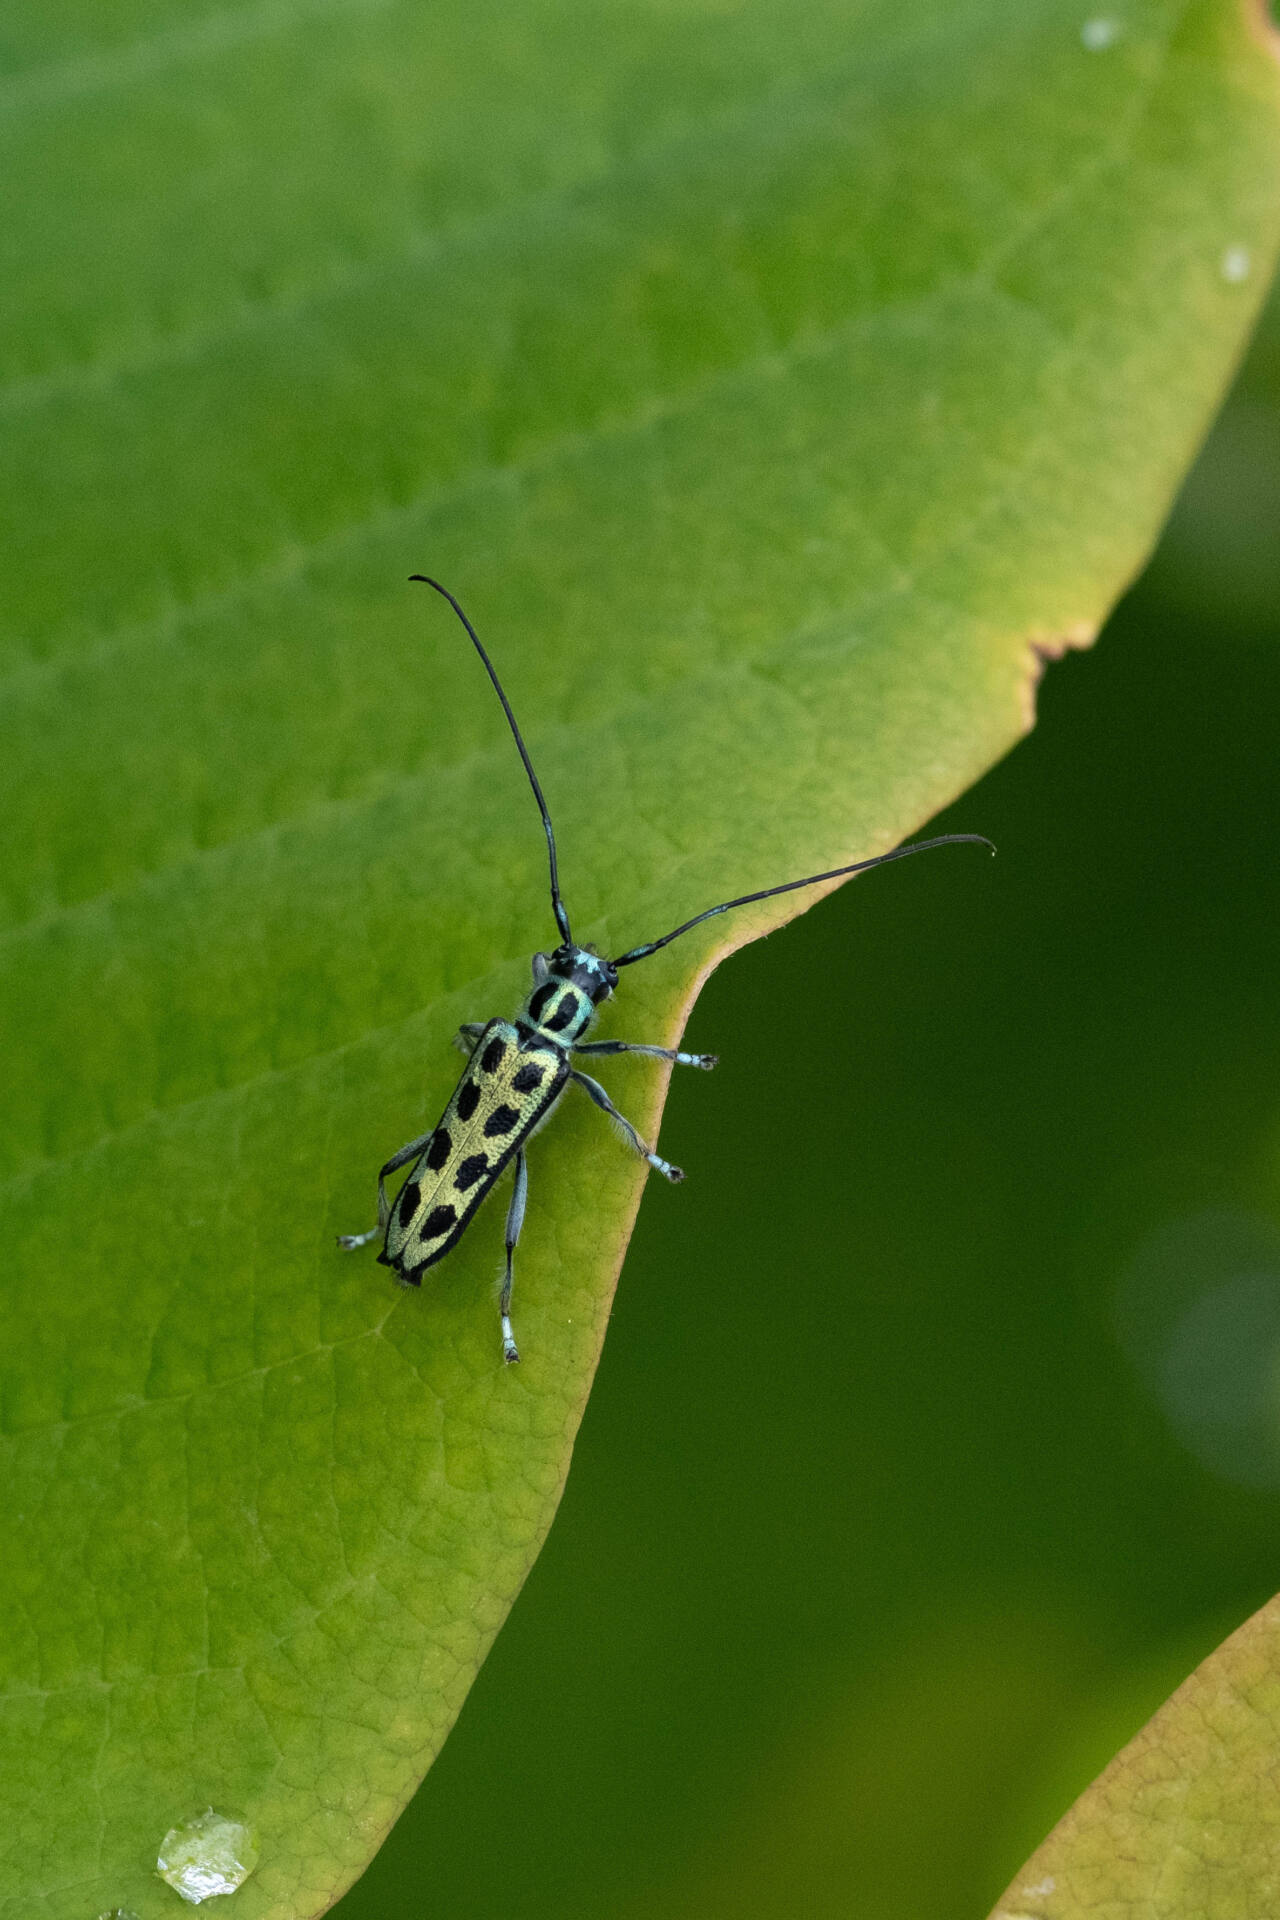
[[519, 1069]]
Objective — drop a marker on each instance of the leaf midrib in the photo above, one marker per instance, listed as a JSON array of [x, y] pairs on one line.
[[110, 69]]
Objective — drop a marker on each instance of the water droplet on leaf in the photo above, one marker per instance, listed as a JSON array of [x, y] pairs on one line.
[[207, 1855]]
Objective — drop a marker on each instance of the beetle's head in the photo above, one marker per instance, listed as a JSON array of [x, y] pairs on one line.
[[584, 968]]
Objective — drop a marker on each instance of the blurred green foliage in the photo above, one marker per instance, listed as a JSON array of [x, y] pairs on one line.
[[856, 1664]]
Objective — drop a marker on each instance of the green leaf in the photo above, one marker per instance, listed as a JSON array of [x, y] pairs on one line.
[[1184, 1820], [775, 386]]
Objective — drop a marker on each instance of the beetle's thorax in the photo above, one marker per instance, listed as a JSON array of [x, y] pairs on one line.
[[569, 985]]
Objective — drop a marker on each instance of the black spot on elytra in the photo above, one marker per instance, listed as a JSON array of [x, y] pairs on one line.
[[527, 1079], [491, 1058], [501, 1120], [564, 1013], [546, 992], [438, 1222], [470, 1171], [468, 1100], [439, 1149], [410, 1195]]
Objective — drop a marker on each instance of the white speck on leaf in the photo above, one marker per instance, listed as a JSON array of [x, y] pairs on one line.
[[1100, 33], [1236, 265], [207, 1855]]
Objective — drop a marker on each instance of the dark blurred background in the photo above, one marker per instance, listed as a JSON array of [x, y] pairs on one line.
[[938, 1430]]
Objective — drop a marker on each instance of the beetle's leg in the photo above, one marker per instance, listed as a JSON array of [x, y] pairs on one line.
[[349, 1241], [703, 1060], [467, 1038], [606, 1105], [541, 971], [515, 1220]]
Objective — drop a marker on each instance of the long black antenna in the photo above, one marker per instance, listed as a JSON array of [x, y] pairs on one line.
[[789, 886], [557, 904]]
